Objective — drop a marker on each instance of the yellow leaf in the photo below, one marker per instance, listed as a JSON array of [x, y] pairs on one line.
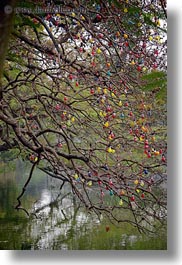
[[120, 103], [106, 124], [121, 202], [99, 51], [136, 181]]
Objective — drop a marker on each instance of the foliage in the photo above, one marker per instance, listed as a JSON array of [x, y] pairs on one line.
[[157, 83]]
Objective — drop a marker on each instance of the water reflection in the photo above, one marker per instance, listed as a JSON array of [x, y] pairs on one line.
[[60, 222]]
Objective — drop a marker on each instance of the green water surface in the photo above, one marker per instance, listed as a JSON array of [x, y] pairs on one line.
[[61, 223]]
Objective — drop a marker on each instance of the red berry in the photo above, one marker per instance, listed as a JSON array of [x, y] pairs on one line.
[[93, 52], [100, 35], [98, 16], [57, 107], [107, 228], [92, 91], [110, 182], [62, 116], [114, 115], [146, 152], [156, 52], [60, 145], [48, 17], [108, 108], [160, 151], [112, 135]]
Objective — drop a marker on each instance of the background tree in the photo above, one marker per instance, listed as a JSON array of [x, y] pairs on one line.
[[84, 100]]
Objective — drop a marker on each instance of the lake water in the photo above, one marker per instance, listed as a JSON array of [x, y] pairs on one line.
[[60, 222]]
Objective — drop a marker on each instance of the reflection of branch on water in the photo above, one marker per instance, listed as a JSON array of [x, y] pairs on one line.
[[65, 227], [53, 203], [18, 206], [143, 212]]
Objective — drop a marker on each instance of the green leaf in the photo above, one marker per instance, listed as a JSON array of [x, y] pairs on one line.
[[156, 81]]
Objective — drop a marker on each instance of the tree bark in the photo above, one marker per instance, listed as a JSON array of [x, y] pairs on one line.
[[6, 19]]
